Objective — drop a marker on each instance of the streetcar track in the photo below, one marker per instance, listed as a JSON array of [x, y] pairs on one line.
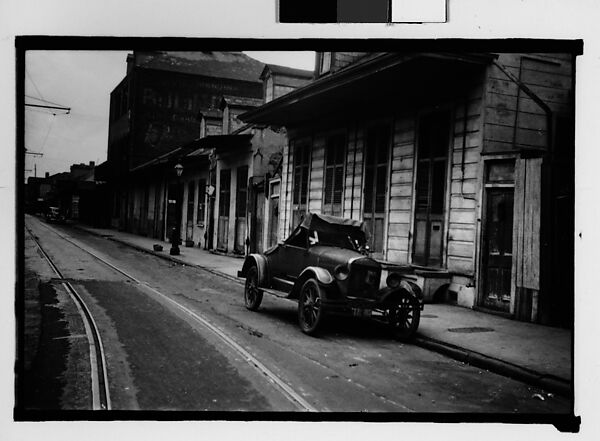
[[287, 391], [98, 372]]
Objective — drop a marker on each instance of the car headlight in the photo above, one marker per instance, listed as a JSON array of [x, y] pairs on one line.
[[393, 280], [341, 272]]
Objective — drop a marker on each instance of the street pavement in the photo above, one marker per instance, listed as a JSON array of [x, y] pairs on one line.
[[536, 354]]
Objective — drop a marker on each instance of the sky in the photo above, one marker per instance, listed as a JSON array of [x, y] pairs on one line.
[[82, 81]]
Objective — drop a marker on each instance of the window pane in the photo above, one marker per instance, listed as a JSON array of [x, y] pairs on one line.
[[304, 182], [328, 184], [437, 192], [501, 172], [369, 177], [338, 185], [423, 186]]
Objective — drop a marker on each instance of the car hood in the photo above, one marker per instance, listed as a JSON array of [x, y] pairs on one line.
[[329, 257]]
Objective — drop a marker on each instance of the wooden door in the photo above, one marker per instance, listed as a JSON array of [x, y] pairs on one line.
[[241, 196], [189, 224], [224, 200], [497, 248], [433, 144], [259, 218], [273, 221], [174, 195], [375, 188]]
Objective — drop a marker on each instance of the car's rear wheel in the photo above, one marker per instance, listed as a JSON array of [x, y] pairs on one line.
[[252, 294], [403, 316], [310, 308]]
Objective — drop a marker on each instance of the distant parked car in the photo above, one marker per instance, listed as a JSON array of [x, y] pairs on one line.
[[324, 265], [54, 215]]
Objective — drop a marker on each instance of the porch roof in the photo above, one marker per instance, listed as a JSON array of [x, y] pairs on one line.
[[381, 79], [189, 154], [219, 142]]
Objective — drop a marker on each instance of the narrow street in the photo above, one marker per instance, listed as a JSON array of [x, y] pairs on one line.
[[179, 340]]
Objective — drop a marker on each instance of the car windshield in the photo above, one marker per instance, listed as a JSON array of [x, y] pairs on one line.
[[350, 239]]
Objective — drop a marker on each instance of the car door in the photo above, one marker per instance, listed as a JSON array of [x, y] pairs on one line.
[[293, 255]]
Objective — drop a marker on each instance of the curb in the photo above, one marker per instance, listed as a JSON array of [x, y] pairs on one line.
[[161, 255], [473, 358], [504, 368]]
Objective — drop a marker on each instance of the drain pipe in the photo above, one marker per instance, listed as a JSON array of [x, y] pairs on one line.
[[534, 97], [464, 146]]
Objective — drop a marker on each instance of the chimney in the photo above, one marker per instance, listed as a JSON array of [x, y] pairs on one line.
[[47, 175], [92, 163]]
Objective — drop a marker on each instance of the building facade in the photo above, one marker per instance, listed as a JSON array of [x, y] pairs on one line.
[[214, 204], [461, 166], [163, 103]]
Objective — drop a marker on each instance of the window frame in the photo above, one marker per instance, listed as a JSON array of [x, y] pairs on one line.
[[330, 208]]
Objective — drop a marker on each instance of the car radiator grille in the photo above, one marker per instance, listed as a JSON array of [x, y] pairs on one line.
[[363, 281]]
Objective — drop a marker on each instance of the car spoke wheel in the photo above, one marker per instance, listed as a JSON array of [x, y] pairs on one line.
[[310, 310], [403, 316], [252, 294]]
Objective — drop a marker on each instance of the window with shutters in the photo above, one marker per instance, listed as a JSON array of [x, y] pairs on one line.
[[225, 192], [334, 175], [201, 201], [432, 156], [301, 164], [190, 202], [377, 151], [242, 191]]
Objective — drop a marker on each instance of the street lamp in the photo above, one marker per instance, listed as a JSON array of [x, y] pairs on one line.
[[176, 232]]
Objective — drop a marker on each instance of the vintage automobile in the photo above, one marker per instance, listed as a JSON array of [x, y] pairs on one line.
[[53, 214], [325, 266]]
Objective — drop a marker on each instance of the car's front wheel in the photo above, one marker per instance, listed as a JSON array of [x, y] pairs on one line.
[[310, 308], [252, 294], [403, 316]]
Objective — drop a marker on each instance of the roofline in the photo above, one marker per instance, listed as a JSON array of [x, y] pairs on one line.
[[352, 73], [296, 73]]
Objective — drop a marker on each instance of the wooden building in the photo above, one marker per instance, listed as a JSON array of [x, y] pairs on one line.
[[460, 164]]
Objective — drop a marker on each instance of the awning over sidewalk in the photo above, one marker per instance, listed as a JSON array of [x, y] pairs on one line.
[[389, 79]]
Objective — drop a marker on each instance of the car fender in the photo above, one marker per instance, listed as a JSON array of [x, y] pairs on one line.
[[261, 263], [405, 288], [323, 276]]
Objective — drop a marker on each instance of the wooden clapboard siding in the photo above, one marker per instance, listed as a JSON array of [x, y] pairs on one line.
[[512, 119], [458, 248], [401, 189], [470, 187], [286, 192], [465, 170], [317, 164], [471, 171], [466, 234], [461, 265]]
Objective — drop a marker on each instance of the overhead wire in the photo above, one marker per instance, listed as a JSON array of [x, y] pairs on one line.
[[34, 85]]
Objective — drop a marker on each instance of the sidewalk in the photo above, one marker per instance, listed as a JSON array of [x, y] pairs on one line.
[[535, 354]]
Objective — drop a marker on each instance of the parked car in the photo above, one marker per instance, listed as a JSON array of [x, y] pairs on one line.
[[53, 214], [324, 265]]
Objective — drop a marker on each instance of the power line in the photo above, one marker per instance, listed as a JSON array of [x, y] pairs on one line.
[[40, 99], [34, 85], [68, 109]]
